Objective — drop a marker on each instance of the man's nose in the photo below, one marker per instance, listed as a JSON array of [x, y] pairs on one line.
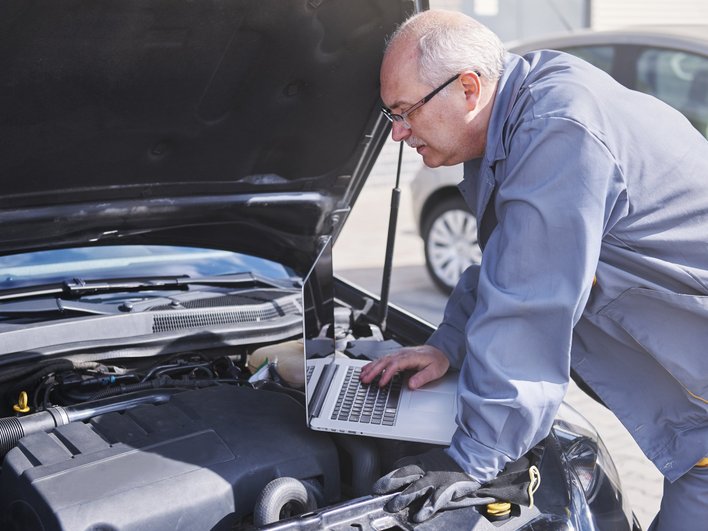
[[399, 131]]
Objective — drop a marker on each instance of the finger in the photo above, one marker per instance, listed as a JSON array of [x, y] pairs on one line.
[[369, 372], [445, 500], [410, 358], [397, 479], [372, 370], [421, 515], [387, 374], [384, 368], [429, 373], [408, 496], [462, 492], [406, 359]]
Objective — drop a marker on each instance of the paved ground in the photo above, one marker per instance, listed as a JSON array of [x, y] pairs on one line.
[[358, 256]]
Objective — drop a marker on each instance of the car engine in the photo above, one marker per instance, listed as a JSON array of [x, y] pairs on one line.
[[193, 453], [218, 439], [201, 457]]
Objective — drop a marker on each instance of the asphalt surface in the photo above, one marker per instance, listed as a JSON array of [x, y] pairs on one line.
[[359, 256]]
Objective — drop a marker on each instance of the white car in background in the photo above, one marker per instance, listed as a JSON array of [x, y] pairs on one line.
[[669, 62]]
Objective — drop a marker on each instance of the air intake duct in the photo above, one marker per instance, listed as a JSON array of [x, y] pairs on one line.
[[12, 429]]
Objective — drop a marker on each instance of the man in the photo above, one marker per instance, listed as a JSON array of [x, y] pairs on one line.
[[592, 202]]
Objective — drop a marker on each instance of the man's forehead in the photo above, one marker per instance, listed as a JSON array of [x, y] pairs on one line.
[[401, 53], [399, 75]]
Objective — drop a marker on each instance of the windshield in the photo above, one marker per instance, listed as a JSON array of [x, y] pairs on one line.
[[125, 261]]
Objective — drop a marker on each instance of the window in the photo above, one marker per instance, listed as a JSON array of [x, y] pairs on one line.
[[678, 78], [600, 56]]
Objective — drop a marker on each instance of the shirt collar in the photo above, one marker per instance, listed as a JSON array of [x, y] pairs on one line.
[[508, 87], [515, 71]]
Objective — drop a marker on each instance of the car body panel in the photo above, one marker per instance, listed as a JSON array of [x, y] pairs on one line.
[[159, 122]]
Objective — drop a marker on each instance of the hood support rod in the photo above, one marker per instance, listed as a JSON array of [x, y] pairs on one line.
[[390, 240]]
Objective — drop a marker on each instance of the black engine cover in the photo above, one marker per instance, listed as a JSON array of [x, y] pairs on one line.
[[196, 462]]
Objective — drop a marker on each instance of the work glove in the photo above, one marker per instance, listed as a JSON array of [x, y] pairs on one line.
[[434, 482], [431, 482]]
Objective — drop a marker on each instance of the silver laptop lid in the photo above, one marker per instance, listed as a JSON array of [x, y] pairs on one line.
[[318, 317]]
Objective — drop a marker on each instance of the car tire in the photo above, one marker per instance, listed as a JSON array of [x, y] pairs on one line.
[[450, 237]]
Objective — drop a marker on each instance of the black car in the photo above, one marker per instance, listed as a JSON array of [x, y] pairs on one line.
[[171, 172]]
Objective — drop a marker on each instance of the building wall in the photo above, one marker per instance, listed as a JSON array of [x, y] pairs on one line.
[[608, 14], [523, 19]]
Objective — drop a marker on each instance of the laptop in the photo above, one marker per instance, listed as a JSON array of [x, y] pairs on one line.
[[338, 402]]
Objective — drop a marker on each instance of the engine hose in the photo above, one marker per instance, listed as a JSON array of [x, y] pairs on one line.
[[163, 382], [32, 374], [366, 466], [282, 498], [127, 388], [12, 429]]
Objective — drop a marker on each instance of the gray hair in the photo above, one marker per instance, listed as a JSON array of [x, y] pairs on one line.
[[449, 43]]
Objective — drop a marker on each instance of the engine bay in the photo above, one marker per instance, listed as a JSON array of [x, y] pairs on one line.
[[211, 432], [183, 441], [197, 461]]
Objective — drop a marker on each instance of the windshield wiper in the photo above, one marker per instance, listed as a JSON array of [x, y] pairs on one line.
[[50, 305], [77, 288]]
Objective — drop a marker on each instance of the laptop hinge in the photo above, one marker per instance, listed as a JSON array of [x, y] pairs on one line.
[[320, 392]]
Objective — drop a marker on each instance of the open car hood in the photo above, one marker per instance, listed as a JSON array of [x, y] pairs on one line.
[[246, 125]]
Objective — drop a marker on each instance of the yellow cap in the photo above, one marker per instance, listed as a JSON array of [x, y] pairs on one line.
[[22, 405], [499, 509]]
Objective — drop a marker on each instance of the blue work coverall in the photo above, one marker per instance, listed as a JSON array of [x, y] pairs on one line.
[[592, 209]]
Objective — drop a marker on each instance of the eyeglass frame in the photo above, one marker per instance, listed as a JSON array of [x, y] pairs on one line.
[[402, 118]]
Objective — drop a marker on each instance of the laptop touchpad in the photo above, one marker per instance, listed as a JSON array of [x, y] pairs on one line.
[[422, 400]]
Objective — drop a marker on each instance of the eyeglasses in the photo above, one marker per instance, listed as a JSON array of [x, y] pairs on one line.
[[403, 117]]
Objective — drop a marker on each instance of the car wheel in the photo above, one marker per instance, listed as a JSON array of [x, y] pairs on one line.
[[450, 237]]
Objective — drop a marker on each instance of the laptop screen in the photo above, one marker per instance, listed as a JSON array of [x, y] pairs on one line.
[[328, 357], [318, 311]]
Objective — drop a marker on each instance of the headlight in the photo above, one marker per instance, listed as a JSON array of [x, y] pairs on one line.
[[585, 453], [582, 455], [591, 466]]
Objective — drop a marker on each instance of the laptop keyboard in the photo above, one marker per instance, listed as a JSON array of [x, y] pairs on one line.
[[368, 404]]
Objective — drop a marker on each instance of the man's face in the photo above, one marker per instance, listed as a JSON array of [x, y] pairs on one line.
[[440, 128]]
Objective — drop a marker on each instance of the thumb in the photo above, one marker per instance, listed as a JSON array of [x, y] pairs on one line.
[[427, 374]]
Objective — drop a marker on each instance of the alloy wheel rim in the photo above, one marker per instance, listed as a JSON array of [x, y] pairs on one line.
[[452, 245]]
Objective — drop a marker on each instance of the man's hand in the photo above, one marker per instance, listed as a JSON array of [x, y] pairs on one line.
[[428, 362], [432, 482]]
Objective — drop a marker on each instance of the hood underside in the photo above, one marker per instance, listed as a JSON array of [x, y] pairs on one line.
[[175, 121]]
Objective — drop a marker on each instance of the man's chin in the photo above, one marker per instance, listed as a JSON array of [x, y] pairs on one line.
[[436, 161], [432, 162], [429, 159]]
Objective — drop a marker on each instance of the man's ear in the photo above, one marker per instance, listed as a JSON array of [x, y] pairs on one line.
[[472, 87]]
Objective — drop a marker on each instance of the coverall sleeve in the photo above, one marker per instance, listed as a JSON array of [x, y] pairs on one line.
[[553, 205], [450, 335]]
